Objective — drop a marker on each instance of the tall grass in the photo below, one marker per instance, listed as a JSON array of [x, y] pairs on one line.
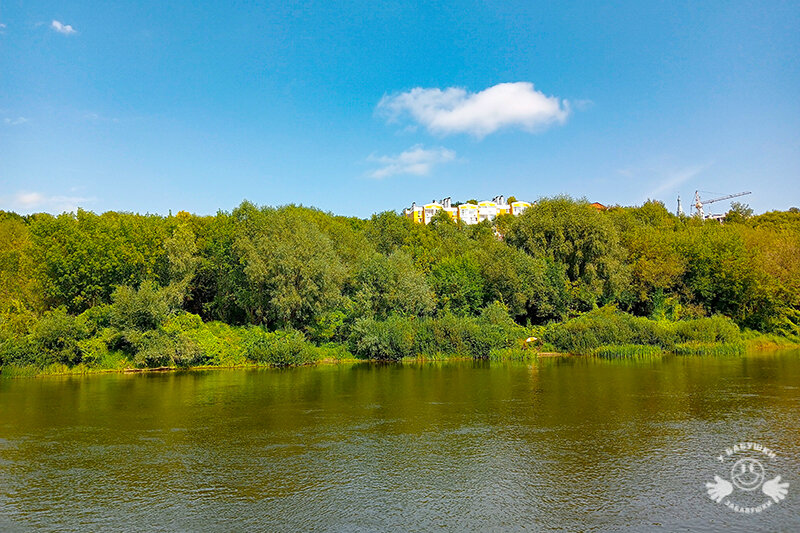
[[22, 371], [628, 351], [512, 354], [711, 349]]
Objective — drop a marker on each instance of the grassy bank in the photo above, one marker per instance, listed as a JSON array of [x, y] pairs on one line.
[[60, 343], [63, 344], [612, 334]]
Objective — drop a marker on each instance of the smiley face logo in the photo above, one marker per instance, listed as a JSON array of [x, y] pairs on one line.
[[747, 474]]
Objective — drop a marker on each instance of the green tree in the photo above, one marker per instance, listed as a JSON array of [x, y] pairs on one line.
[[81, 257], [738, 213], [388, 285], [458, 285], [181, 251], [531, 288], [142, 309], [55, 338], [388, 231], [17, 284], [291, 269], [720, 273], [586, 242]]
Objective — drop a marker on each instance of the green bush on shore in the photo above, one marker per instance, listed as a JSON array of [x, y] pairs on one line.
[[602, 329], [278, 348], [399, 337]]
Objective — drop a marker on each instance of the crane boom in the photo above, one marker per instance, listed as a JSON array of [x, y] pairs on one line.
[[698, 204], [727, 197]]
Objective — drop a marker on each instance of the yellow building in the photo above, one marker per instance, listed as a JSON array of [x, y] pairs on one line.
[[517, 208], [502, 206], [468, 213], [414, 213], [429, 210], [487, 210]]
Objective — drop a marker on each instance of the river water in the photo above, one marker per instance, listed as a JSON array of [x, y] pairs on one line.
[[568, 444]]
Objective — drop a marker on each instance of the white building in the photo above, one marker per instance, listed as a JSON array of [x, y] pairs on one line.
[[467, 213]]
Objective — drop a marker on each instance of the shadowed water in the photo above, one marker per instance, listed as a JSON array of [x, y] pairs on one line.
[[562, 444]]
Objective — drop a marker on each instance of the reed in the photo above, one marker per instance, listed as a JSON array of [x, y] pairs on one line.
[[710, 348], [512, 354], [24, 371], [628, 351]]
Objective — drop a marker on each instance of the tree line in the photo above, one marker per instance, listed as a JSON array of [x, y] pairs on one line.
[[293, 284]]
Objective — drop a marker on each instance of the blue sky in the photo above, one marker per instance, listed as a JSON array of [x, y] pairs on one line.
[[360, 107]]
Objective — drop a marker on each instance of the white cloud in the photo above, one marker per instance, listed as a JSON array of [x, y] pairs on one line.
[[2, 28], [15, 121], [454, 110], [416, 161], [31, 202], [66, 29]]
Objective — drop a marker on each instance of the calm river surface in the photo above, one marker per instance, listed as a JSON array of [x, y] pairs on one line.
[[562, 444]]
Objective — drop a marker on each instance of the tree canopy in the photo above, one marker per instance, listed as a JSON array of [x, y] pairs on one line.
[[326, 276]]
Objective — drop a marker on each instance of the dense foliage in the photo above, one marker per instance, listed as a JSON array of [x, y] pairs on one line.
[[292, 285]]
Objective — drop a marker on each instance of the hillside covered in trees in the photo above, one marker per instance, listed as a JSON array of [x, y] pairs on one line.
[[292, 285]]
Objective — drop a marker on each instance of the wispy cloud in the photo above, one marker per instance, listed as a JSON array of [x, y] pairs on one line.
[[31, 201], [416, 161], [581, 105], [2, 28], [15, 121], [66, 29], [671, 180], [97, 118], [454, 110]]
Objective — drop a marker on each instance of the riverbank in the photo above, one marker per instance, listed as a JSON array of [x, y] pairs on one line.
[[759, 344], [293, 286]]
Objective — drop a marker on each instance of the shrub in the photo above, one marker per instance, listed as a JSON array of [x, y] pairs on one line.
[[157, 348], [398, 337], [113, 360], [55, 338], [279, 348], [97, 318], [608, 326], [334, 351], [388, 340], [717, 328], [93, 350], [144, 308], [17, 351]]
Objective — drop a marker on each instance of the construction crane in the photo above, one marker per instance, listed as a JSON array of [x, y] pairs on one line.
[[698, 204]]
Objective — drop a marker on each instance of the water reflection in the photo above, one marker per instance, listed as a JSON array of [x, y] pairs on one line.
[[573, 444]]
